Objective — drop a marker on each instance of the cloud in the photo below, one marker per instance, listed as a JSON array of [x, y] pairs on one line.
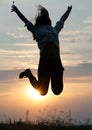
[[25, 44], [19, 57], [71, 36], [72, 32], [75, 36], [17, 52], [18, 35], [81, 70], [6, 75], [70, 39], [90, 40], [88, 20]]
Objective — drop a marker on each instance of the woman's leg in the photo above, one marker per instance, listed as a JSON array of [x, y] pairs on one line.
[[57, 79], [27, 74], [42, 83], [43, 78]]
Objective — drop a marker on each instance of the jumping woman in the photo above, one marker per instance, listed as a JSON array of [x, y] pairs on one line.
[[50, 65]]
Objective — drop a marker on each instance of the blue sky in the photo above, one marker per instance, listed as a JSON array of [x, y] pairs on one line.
[[19, 51]]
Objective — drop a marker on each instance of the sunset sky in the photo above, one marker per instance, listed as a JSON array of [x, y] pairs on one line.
[[19, 51]]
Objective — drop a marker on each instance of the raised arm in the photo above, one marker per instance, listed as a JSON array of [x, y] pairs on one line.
[[28, 24], [20, 15], [66, 14], [60, 24]]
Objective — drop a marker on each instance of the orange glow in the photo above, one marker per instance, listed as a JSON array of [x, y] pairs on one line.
[[32, 93]]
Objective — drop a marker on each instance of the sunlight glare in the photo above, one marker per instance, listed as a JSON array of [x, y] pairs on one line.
[[32, 93]]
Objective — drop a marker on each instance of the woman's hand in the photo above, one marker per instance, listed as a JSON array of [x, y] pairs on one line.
[[13, 8], [20, 15], [70, 8]]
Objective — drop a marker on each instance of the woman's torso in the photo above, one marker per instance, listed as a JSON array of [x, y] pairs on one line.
[[46, 34]]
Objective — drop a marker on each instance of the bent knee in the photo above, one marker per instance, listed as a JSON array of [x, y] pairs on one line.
[[43, 93], [57, 91]]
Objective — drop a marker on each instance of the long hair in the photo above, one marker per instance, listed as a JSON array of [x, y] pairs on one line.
[[42, 17]]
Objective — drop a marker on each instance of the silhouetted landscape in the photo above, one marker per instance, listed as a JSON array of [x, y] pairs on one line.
[[53, 123], [42, 126]]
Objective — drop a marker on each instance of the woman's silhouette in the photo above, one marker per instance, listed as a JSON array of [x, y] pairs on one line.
[[50, 65]]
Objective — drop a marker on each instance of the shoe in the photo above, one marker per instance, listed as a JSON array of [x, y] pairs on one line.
[[25, 74]]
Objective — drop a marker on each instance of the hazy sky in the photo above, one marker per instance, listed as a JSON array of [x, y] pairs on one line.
[[18, 51]]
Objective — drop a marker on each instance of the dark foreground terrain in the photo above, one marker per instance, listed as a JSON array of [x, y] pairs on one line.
[[42, 126]]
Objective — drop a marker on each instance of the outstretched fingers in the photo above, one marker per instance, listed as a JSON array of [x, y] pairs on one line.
[[70, 7]]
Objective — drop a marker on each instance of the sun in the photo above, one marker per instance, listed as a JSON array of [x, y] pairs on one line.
[[32, 93]]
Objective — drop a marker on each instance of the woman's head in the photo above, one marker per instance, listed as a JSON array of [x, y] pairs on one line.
[[43, 17]]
